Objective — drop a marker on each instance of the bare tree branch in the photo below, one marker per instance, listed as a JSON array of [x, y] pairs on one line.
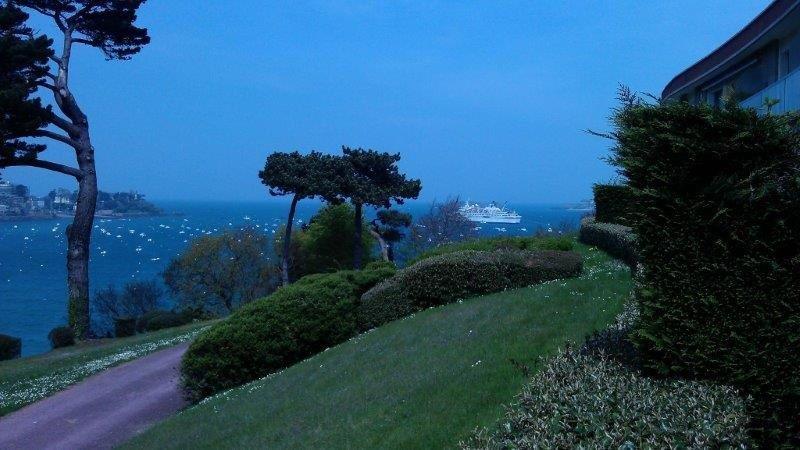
[[63, 123], [56, 60], [48, 165], [83, 41]]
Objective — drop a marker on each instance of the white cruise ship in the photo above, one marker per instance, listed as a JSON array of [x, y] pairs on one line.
[[489, 214]]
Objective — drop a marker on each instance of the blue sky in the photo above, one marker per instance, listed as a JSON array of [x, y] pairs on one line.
[[483, 99]]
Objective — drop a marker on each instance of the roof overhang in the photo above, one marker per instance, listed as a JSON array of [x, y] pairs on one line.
[[773, 22]]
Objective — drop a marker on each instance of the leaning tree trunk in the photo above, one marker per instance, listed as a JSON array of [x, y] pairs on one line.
[[79, 233], [287, 240], [358, 248], [385, 250]]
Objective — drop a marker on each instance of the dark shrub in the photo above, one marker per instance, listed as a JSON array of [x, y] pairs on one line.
[[616, 240], [10, 347], [124, 327], [613, 203], [158, 320], [297, 321], [445, 278], [717, 220], [61, 337]]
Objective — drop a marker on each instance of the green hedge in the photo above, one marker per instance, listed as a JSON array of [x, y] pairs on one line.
[[581, 401], [613, 203], [10, 347], [718, 233], [614, 239], [270, 334], [61, 337], [445, 278], [159, 320], [562, 243]]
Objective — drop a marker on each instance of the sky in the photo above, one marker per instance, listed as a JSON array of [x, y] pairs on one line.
[[487, 100]]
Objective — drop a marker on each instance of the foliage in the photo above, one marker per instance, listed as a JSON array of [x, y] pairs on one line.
[[270, 334], [617, 240], [443, 224], [24, 64], [445, 278], [124, 326], [61, 337], [580, 401], [301, 176], [222, 272], [501, 243], [123, 203], [324, 245], [613, 203], [372, 178], [10, 347], [158, 320], [717, 220]]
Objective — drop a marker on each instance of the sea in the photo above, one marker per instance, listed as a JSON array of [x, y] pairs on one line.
[[32, 253]]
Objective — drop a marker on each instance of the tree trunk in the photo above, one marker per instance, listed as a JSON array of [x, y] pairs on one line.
[[385, 249], [358, 249], [287, 239], [390, 251], [79, 235]]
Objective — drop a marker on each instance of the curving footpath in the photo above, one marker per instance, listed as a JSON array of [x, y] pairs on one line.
[[102, 411]]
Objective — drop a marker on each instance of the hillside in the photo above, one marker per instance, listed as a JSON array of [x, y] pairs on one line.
[[423, 382]]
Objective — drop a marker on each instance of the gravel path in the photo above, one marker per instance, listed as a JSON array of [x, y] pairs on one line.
[[102, 411]]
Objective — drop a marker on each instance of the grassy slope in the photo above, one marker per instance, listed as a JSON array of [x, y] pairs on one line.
[[423, 382], [26, 380]]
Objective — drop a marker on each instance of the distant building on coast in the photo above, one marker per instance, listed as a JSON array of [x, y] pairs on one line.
[[759, 64]]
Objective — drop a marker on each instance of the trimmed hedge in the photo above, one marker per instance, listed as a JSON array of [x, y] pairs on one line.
[[61, 337], [124, 327], [581, 401], [616, 240], [718, 231], [501, 243], [614, 203], [159, 320], [294, 323], [445, 278], [10, 347]]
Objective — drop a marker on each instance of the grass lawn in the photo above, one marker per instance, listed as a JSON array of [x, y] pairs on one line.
[[422, 382], [26, 380]]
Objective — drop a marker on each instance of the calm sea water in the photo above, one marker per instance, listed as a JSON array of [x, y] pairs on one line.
[[32, 264]]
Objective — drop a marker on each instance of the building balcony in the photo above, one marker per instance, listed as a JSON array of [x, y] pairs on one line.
[[786, 90]]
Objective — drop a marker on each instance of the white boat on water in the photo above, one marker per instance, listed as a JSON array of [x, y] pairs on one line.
[[489, 214]]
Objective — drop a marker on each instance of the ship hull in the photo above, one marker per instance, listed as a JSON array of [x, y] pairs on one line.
[[495, 219]]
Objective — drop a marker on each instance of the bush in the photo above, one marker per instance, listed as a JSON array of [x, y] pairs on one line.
[[445, 278], [325, 245], [124, 327], [220, 273], [616, 240], [270, 334], [61, 337], [158, 320], [717, 220], [501, 243], [10, 347], [613, 203], [580, 401]]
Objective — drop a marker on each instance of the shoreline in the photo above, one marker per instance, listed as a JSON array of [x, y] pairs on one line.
[[39, 218]]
